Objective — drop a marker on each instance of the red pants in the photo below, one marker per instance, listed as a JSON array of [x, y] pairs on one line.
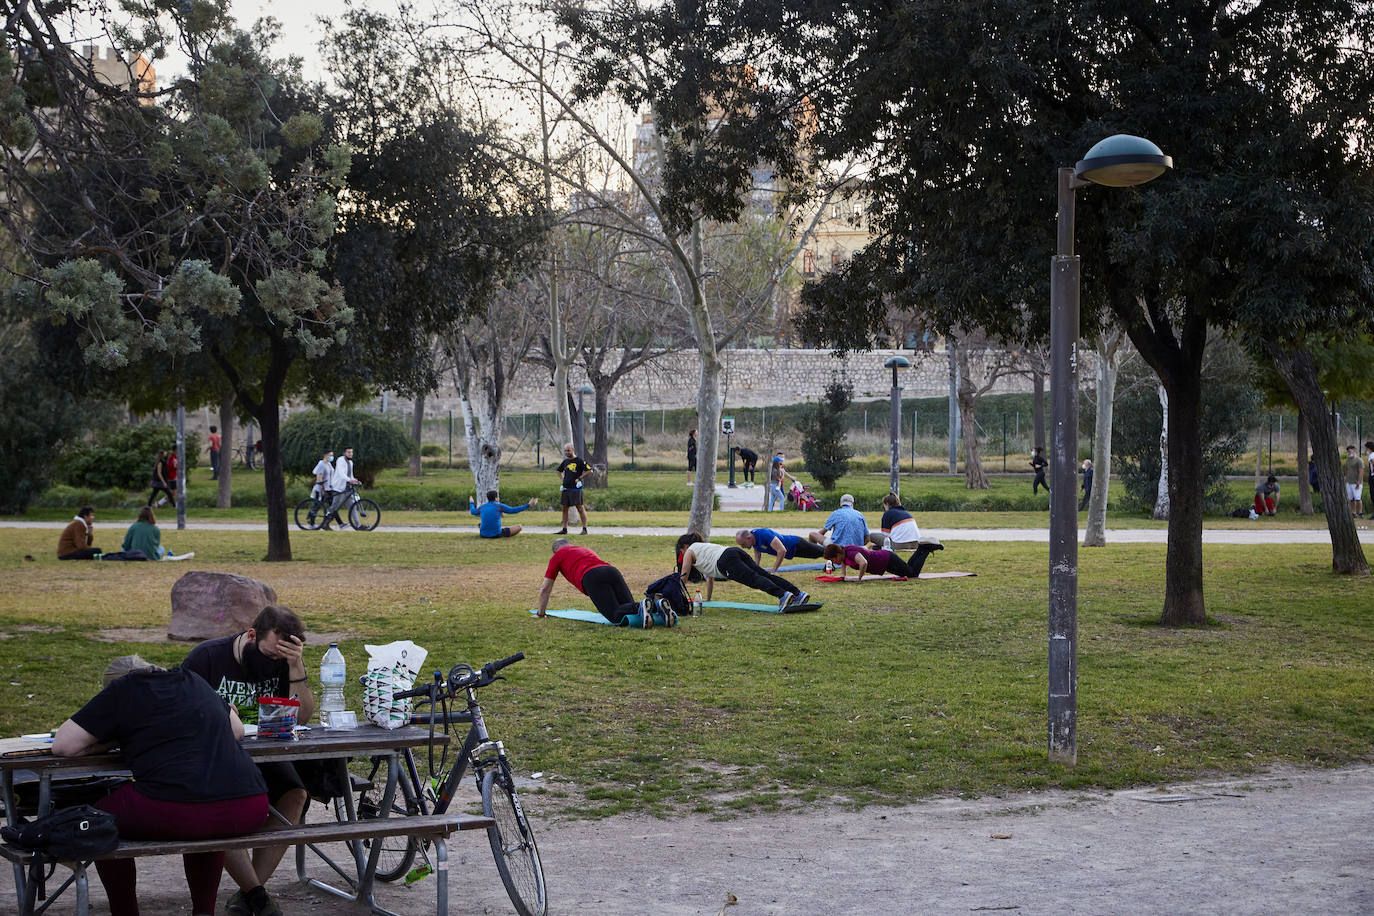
[[1263, 504], [142, 818]]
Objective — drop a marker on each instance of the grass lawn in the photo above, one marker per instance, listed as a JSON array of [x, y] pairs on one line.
[[892, 692]]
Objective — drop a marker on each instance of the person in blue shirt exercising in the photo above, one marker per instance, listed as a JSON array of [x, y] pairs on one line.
[[490, 513], [779, 546]]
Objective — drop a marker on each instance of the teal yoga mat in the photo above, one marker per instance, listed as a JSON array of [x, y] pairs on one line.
[[574, 614], [801, 567], [766, 608]]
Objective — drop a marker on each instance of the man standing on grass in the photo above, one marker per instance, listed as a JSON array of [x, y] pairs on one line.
[[265, 660], [1354, 473], [574, 469]]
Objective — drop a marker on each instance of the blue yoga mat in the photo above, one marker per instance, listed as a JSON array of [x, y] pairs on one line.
[[574, 614]]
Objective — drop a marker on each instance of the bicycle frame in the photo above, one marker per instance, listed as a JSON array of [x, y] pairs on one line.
[[472, 754]]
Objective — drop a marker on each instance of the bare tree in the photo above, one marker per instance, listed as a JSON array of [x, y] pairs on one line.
[[1108, 345], [982, 364]]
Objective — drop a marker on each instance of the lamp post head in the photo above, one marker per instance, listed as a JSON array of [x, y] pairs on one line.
[[586, 389], [1123, 161], [897, 362]]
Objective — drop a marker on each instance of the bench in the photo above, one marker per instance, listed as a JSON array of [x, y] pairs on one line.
[[434, 827]]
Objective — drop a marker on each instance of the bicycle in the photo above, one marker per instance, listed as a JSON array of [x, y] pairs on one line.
[[363, 514], [511, 837]]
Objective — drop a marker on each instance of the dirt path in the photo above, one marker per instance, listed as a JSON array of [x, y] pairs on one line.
[[1287, 842]]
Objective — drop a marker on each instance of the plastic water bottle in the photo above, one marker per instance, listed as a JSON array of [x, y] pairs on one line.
[[696, 604], [829, 568], [333, 674]]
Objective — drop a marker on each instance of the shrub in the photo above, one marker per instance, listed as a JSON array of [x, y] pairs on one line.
[[122, 458], [823, 436], [432, 451], [377, 443]]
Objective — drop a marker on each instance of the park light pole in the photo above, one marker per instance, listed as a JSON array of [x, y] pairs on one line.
[[582, 419], [895, 424], [1120, 161]]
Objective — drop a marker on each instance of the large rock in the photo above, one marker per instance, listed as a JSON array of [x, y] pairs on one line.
[[210, 604]]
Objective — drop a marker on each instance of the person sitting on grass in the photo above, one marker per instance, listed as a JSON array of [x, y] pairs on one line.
[[778, 546], [77, 540], [878, 562], [192, 778], [490, 514], [697, 558], [845, 526], [898, 529], [145, 536], [601, 582]]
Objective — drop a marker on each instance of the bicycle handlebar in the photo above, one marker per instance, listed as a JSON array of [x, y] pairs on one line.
[[417, 692], [480, 678]]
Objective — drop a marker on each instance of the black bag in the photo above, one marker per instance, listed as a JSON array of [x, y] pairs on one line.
[[71, 834], [1241, 512], [670, 589]]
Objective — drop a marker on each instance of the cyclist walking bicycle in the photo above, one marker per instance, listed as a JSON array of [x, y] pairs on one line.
[[342, 481]]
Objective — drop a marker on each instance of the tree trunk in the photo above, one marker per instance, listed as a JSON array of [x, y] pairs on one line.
[[953, 405], [1161, 512], [274, 480], [1038, 409], [1108, 362], [1183, 594], [1299, 373], [708, 393], [974, 476], [602, 413], [484, 454], [417, 429], [1304, 469], [224, 498]]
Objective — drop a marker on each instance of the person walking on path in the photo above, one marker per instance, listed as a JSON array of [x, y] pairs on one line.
[[490, 513], [779, 546], [691, 455], [1038, 464], [77, 541], [717, 561], [341, 479], [1354, 474], [777, 473], [845, 526], [160, 481], [215, 441], [574, 469], [1087, 484], [748, 460], [599, 581]]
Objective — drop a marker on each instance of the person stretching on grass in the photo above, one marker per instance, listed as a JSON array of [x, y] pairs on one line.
[[490, 514], [878, 562], [716, 561], [599, 581]]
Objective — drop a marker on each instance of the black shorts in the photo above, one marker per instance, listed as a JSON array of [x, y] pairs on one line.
[[281, 777], [572, 497]]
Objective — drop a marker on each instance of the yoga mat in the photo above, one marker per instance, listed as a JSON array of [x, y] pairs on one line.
[[766, 608], [888, 577], [574, 614], [801, 567]]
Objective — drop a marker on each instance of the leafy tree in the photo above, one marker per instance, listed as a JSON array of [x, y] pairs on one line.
[[377, 443], [122, 457], [825, 434]]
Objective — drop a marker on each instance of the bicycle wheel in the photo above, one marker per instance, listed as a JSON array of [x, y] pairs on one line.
[[310, 514], [512, 843], [398, 852], [364, 514]]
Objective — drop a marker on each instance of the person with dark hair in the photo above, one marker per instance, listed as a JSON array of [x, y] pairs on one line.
[[748, 459], [1038, 464], [574, 469], [215, 441], [192, 779], [698, 559], [490, 513], [601, 582], [1267, 496], [691, 454], [341, 480], [1087, 485], [779, 546], [1354, 475], [897, 530], [879, 561], [266, 660], [77, 540], [160, 483]]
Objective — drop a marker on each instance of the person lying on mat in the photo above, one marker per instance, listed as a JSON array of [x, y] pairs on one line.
[[599, 581], [779, 546], [696, 559], [879, 561]]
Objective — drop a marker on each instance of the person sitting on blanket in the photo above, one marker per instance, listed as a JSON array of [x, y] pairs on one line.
[[145, 536], [697, 558], [899, 530], [599, 581], [192, 779], [879, 561], [490, 513], [778, 546]]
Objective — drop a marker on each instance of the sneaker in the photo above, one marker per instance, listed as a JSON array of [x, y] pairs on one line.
[[799, 599], [268, 907], [785, 600], [669, 615], [584, 530], [238, 905], [562, 530], [646, 615]]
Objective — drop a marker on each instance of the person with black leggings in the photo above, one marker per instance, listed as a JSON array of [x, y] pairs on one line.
[[601, 582], [879, 561], [717, 561], [748, 460]]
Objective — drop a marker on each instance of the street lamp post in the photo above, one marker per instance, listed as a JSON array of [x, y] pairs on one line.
[[582, 420], [895, 423], [1120, 161]]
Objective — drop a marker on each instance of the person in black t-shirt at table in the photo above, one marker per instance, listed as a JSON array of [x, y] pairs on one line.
[[574, 469], [191, 781], [263, 661]]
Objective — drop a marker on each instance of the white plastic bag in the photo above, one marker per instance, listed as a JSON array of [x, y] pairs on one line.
[[390, 668]]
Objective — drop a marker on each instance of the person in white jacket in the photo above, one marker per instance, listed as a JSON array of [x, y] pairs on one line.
[[342, 479]]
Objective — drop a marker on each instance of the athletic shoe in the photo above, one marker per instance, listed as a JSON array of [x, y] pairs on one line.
[[800, 598], [584, 530], [238, 905], [784, 601], [268, 907], [562, 530], [664, 608]]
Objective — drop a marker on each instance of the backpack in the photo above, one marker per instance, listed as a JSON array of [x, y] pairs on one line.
[[670, 589], [71, 834], [1241, 512]]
